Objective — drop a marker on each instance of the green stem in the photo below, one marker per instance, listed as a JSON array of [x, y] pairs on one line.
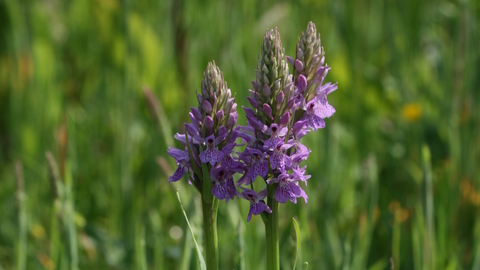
[[210, 232], [271, 231]]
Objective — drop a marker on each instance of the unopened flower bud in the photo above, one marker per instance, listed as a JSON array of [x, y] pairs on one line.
[[299, 53], [208, 123], [266, 90], [256, 86], [285, 118], [232, 120], [290, 60], [197, 114], [267, 110], [276, 85], [280, 97], [265, 69], [265, 79], [290, 103], [207, 107], [220, 115], [253, 102], [302, 83], [298, 65]]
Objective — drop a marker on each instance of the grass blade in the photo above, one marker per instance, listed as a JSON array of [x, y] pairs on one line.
[[201, 260], [297, 234], [22, 218]]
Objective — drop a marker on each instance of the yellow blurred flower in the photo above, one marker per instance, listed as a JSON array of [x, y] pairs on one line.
[[401, 215], [475, 198], [412, 111], [45, 261], [37, 231]]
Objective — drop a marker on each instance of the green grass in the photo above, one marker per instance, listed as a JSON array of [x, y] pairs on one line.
[[72, 80]]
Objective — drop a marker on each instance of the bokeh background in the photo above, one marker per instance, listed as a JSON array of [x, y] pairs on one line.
[[83, 163]]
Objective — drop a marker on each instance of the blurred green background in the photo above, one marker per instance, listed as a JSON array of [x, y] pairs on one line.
[[394, 174]]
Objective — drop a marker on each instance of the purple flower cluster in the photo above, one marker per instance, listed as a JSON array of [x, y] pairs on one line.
[[209, 139], [284, 108]]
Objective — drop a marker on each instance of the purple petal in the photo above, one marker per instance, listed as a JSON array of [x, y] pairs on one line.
[[177, 175], [211, 155], [302, 83], [196, 113], [255, 123], [280, 195], [177, 154], [325, 110], [262, 194], [253, 102]]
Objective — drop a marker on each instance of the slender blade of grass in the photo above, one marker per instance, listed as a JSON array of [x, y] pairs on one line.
[[298, 239], [201, 260]]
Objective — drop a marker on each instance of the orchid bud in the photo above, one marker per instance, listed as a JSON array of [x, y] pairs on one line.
[[302, 83], [298, 65], [285, 118], [290, 103], [207, 107], [196, 113], [208, 123], [256, 86], [267, 110], [266, 90], [220, 115], [290, 60], [280, 97], [253, 102]]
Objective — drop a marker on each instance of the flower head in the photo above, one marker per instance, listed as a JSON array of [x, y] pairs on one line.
[[257, 205], [183, 161], [223, 185], [211, 154], [288, 189]]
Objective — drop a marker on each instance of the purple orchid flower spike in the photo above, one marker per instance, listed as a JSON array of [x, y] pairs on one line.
[[257, 205], [211, 154]]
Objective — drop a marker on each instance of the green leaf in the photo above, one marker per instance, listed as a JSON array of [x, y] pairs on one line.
[[201, 260], [297, 234]]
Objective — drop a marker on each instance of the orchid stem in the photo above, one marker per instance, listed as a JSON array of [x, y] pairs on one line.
[[210, 232], [271, 231]]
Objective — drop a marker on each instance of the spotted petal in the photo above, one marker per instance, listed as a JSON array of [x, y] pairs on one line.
[[211, 155]]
